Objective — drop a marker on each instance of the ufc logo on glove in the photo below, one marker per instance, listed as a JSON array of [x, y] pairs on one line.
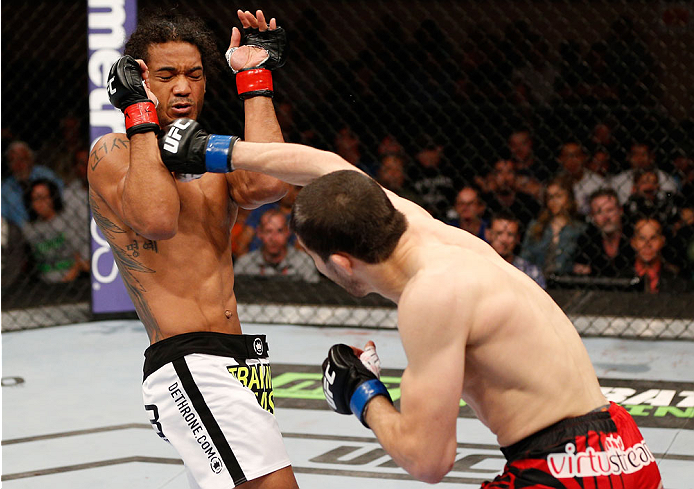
[[328, 380], [173, 137], [109, 86]]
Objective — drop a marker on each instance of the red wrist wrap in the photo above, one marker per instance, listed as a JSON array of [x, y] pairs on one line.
[[255, 80], [140, 113]]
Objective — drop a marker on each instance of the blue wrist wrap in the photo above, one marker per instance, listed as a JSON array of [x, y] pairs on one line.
[[217, 158], [363, 394]]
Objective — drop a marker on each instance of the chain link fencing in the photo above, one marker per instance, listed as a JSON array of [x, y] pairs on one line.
[[472, 109]]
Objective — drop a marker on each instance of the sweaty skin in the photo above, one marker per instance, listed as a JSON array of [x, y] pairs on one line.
[[171, 239], [472, 326]]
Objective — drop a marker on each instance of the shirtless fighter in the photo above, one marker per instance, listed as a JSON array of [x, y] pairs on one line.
[[206, 386], [472, 326]]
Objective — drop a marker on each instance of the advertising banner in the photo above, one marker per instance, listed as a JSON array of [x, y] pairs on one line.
[[110, 22]]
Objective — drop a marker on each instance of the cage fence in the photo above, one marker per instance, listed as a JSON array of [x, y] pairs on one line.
[[471, 109]]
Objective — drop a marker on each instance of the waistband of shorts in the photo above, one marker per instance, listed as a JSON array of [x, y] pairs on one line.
[[563, 431], [239, 346]]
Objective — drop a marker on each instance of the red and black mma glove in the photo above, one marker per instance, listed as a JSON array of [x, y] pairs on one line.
[[348, 385], [126, 91], [257, 81], [186, 148]]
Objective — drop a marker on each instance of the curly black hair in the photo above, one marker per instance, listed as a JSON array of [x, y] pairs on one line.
[[161, 27]]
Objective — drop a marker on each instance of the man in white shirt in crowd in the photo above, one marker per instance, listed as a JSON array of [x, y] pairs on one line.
[[275, 257], [640, 157]]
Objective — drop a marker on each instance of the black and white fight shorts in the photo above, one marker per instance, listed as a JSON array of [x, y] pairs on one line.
[[210, 396]]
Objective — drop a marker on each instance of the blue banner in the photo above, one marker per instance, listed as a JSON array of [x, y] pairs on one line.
[[110, 22]]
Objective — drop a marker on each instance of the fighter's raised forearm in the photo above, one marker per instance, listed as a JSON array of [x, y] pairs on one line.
[[150, 199], [293, 163]]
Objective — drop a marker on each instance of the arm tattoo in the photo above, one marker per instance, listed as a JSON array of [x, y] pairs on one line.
[[147, 244], [103, 149], [108, 227], [128, 266]]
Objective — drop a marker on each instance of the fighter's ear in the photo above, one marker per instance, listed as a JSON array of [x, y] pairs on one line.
[[342, 261]]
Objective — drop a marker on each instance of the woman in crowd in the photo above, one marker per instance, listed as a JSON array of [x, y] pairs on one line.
[[55, 241], [551, 239]]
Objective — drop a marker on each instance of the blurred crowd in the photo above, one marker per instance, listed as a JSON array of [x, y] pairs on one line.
[[551, 154], [589, 223], [45, 210], [582, 219]]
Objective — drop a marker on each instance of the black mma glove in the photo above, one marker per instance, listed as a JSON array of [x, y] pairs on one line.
[[126, 91], [187, 149], [257, 81], [347, 384]]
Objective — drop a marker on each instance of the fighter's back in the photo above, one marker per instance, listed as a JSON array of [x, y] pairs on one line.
[[525, 365]]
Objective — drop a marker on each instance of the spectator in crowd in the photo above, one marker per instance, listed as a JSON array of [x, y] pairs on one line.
[[348, 145], [503, 234], [657, 275], [14, 255], [247, 239], [604, 249], [239, 243], [55, 246], [286, 118], [388, 145], [24, 170], [640, 157], [530, 171], [275, 257], [76, 191], [6, 138], [468, 212], [502, 194], [551, 241], [683, 240], [76, 200], [647, 200], [600, 162], [684, 174], [391, 174], [572, 159], [520, 144], [605, 148], [433, 178]]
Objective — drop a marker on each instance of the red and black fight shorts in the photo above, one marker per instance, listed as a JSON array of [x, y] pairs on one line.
[[601, 450]]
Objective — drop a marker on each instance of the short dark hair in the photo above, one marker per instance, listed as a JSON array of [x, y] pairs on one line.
[[640, 172], [53, 190], [346, 211], [271, 213], [160, 27], [504, 215], [603, 192], [648, 218]]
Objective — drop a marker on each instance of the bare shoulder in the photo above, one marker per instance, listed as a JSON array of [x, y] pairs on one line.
[[108, 163], [431, 291], [407, 207], [110, 149], [433, 317]]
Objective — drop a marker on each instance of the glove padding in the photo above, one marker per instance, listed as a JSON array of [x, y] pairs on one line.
[[274, 42], [126, 91], [186, 148], [347, 384]]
